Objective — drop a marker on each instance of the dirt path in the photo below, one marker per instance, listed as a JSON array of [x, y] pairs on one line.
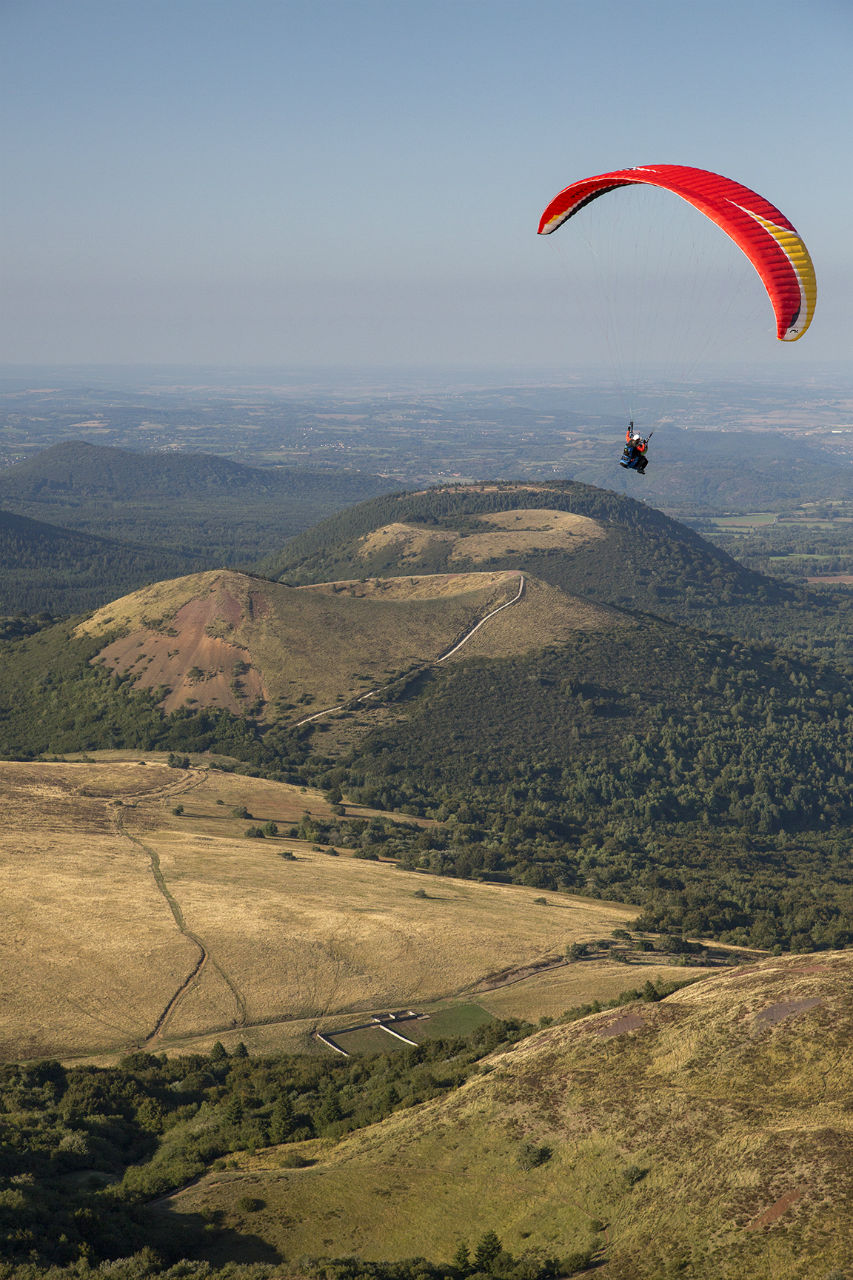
[[499, 609], [372, 693], [188, 782]]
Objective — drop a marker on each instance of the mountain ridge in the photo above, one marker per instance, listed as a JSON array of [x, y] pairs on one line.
[[79, 469]]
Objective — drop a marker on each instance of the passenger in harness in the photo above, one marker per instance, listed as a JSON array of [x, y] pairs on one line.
[[634, 454]]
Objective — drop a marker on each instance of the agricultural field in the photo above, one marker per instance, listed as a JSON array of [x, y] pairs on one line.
[[139, 914], [811, 544]]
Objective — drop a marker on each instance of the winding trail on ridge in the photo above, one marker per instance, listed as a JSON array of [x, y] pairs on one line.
[[204, 956], [449, 654]]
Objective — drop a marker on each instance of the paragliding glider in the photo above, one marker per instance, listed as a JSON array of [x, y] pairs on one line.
[[758, 228], [634, 455]]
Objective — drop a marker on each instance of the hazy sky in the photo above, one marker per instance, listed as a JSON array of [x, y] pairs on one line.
[[227, 181]]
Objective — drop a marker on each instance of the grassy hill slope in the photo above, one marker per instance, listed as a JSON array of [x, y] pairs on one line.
[[573, 746], [707, 1135], [229, 640]]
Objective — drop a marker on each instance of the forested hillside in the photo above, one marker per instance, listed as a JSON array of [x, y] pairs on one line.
[[46, 568], [177, 511], [708, 779], [75, 470], [650, 758], [646, 561]]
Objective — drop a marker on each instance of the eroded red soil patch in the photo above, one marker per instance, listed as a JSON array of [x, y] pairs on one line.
[[774, 1213], [191, 658]]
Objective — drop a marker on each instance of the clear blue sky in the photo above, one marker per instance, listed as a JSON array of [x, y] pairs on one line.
[[360, 180]]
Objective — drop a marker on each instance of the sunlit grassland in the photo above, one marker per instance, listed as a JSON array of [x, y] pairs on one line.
[[314, 935], [88, 948], [572, 985], [710, 1131], [119, 875]]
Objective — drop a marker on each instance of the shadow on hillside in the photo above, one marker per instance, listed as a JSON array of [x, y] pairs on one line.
[[203, 1239]]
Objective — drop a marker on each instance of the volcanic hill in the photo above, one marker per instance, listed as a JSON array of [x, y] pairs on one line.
[[230, 640], [589, 542]]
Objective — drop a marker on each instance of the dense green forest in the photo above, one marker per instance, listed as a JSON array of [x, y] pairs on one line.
[[84, 524], [43, 567], [710, 780]]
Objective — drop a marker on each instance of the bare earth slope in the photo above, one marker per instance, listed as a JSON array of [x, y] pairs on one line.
[[708, 1135]]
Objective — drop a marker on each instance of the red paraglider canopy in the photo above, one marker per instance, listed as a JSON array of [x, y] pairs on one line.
[[763, 233]]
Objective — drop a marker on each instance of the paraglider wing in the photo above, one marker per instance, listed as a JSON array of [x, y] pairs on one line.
[[758, 228]]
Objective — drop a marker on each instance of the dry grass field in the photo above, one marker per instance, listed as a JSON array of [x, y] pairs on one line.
[[551, 993], [544, 616], [708, 1134], [536, 529], [129, 924]]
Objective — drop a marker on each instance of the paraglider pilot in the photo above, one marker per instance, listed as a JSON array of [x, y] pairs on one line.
[[634, 453]]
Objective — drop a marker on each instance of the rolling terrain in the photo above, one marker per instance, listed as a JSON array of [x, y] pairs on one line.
[[488, 655], [74, 471], [515, 750], [139, 915], [120, 519], [707, 1135]]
